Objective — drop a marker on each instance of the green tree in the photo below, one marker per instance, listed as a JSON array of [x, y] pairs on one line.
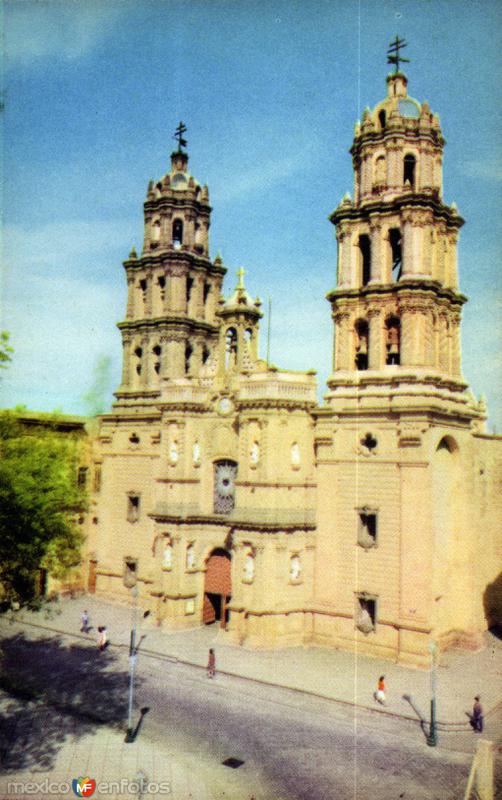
[[97, 398], [5, 349], [39, 502]]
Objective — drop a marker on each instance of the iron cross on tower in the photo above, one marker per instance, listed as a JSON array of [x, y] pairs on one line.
[[393, 56], [180, 130]]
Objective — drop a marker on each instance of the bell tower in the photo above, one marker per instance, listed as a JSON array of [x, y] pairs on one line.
[[171, 329], [397, 307], [399, 428]]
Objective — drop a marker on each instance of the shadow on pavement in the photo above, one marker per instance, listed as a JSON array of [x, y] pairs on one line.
[[75, 678]]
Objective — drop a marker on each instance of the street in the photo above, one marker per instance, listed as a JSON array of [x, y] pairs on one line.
[[292, 746]]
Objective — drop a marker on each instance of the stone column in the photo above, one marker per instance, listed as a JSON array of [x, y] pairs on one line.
[[376, 251], [375, 355], [126, 359], [130, 296], [451, 271], [344, 237], [394, 170], [407, 335], [444, 356], [177, 293], [456, 357], [145, 363], [342, 341], [407, 245]]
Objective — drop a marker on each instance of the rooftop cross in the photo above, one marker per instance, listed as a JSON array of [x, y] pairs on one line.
[[393, 56], [240, 274], [180, 130]]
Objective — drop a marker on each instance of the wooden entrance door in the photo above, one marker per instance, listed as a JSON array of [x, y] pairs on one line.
[[217, 587]]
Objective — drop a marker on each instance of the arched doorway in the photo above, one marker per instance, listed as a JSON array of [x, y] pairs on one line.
[[217, 587]]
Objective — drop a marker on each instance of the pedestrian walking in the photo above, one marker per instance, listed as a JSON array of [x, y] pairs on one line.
[[211, 664], [380, 692], [477, 715], [85, 622], [102, 638]]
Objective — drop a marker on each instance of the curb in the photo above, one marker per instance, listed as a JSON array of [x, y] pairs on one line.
[[446, 727]]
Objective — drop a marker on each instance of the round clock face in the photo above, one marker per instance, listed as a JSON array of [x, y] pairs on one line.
[[225, 405]]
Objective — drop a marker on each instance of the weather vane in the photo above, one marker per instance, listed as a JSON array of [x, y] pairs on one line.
[[180, 130], [393, 56]]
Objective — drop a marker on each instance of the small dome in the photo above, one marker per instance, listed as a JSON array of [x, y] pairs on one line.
[[409, 108], [179, 181]]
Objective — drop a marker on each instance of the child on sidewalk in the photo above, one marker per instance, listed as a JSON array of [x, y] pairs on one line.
[[380, 692]]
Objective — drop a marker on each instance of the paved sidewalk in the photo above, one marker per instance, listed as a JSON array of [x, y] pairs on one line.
[[334, 674], [43, 750]]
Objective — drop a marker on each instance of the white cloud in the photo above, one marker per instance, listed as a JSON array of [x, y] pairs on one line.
[[35, 30], [233, 186]]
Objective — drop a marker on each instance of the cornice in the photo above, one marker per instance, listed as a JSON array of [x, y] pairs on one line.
[[176, 257], [185, 324], [401, 203], [400, 290]]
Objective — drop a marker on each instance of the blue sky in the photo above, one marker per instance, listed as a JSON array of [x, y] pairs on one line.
[[270, 92]]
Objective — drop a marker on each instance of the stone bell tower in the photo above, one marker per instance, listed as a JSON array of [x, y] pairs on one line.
[[397, 307], [399, 429], [170, 329]]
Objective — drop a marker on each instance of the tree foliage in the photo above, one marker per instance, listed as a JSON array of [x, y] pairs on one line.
[[5, 349], [39, 502]]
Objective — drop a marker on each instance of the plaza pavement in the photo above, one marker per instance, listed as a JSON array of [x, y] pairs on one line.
[[51, 748], [334, 674]]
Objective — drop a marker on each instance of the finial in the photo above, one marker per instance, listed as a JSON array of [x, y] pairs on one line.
[[240, 274], [393, 56], [180, 130], [133, 253]]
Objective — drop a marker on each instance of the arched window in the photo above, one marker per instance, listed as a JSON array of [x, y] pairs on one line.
[[231, 348], [361, 331], [205, 354], [365, 250], [382, 117], [177, 233], [139, 355], [396, 252], [157, 351], [206, 291], [188, 358], [189, 287], [409, 170], [393, 340]]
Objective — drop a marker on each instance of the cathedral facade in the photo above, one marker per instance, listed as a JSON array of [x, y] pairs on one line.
[[228, 494]]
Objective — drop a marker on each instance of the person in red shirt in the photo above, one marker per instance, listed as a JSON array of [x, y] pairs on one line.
[[380, 692]]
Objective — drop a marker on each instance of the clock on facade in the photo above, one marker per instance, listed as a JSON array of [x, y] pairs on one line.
[[224, 405]]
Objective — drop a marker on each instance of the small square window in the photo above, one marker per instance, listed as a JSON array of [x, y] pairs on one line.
[[367, 528], [190, 606], [133, 507]]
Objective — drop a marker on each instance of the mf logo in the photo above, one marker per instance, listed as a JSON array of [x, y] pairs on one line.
[[83, 787]]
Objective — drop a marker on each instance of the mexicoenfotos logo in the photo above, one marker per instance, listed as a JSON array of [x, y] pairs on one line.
[[83, 786]]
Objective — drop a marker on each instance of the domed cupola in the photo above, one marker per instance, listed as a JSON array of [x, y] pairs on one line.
[[177, 211], [239, 315]]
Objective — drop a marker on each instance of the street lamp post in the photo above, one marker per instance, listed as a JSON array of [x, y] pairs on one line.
[[432, 737], [133, 655]]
